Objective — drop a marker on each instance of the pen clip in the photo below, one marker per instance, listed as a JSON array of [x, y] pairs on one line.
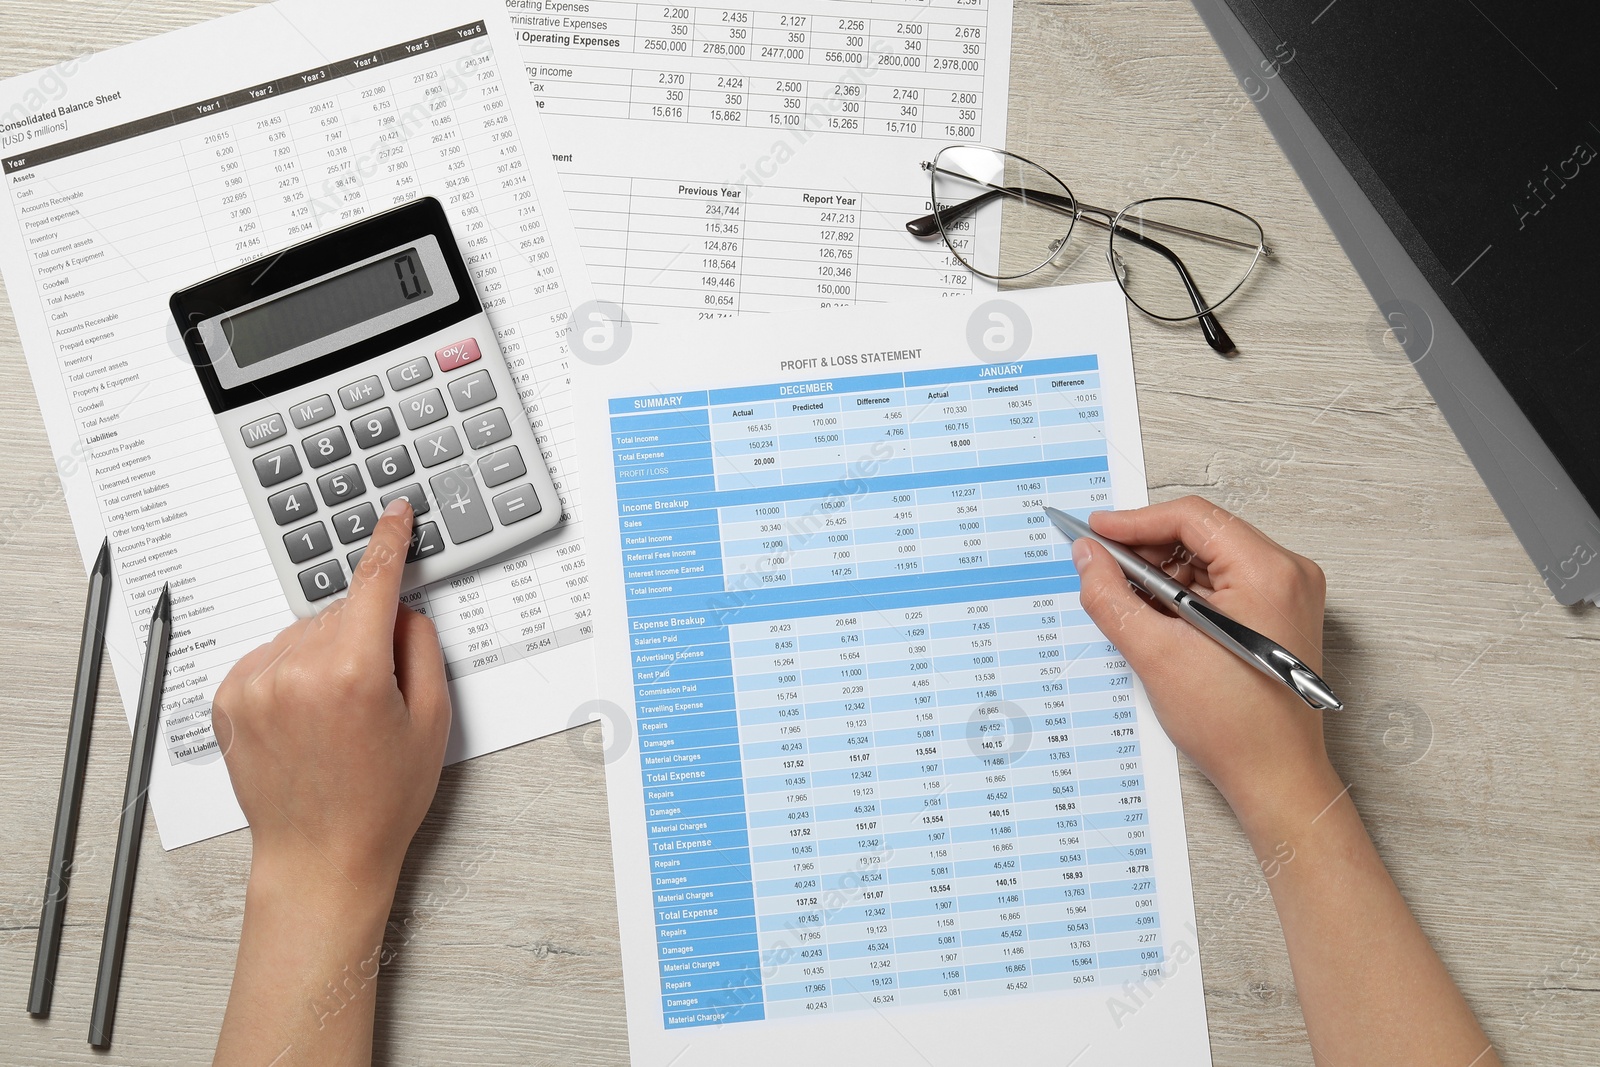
[[1266, 654]]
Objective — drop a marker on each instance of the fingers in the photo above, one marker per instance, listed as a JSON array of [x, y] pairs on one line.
[[1212, 534], [1141, 633], [1177, 562], [375, 587], [419, 669]]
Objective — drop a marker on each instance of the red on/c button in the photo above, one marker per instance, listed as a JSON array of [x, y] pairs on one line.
[[458, 355]]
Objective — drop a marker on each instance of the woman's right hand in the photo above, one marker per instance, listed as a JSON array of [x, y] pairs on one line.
[[1256, 740]]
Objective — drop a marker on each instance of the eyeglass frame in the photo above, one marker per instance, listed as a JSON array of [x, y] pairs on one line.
[[933, 224]]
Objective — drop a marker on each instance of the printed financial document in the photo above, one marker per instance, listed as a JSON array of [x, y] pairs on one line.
[[136, 173], [876, 781], [763, 155]]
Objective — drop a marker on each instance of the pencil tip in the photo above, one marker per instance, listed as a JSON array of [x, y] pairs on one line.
[[102, 562], [164, 605]]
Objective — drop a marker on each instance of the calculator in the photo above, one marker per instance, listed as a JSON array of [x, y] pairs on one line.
[[356, 368]]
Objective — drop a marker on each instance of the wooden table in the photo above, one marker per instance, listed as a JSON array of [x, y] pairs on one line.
[[1472, 692]]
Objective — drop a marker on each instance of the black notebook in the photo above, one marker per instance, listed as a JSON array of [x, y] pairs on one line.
[[1473, 126]]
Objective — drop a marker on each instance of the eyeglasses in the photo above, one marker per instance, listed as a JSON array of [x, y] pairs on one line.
[[1203, 248]]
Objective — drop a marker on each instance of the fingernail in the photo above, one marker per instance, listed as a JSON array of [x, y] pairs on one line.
[[1081, 553], [398, 506]]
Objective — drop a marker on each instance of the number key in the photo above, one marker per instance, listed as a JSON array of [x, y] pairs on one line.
[[323, 580], [341, 485], [389, 467], [414, 496], [374, 429], [292, 504], [354, 524], [307, 542], [276, 466], [327, 447]]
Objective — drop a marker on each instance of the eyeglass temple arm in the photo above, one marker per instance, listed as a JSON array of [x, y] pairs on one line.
[[1216, 336], [929, 226]]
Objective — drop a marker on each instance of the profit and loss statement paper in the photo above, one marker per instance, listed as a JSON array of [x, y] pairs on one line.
[[763, 155], [135, 173], [880, 788]]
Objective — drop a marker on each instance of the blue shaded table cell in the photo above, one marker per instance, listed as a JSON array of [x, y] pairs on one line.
[[717, 915], [717, 1016], [684, 690], [675, 571], [684, 458], [672, 554], [658, 406], [707, 842], [660, 482], [695, 809], [684, 941], [694, 826], [645, 435], [738, 414], [727, 971], [696, 895], [681, 671], [706, 866], [665, 538], [797, 990], [678, 985]]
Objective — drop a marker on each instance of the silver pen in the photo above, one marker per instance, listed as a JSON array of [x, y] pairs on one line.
[[1262, 653]]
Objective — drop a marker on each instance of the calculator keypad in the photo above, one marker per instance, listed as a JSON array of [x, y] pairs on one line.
[[423, 409], [374, 428], [343, 484], [517, 504], [263, 430], [425, 541], [308, 542], [465, 515], [310, 412], [473, 391], [292, 504], [326, 447], [420, 414], [414, 496], [389, 467], [500, 467], [323, 580], [438, 447], [276, 466], [355, 523], [457, 355], [360, 393], [487, 429], [408, 374]]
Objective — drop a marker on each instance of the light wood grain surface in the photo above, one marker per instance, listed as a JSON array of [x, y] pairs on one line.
[[1473, 696]]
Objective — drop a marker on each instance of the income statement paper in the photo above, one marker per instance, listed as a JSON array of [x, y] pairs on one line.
[[876, 782], [135, 173], [763, 155]]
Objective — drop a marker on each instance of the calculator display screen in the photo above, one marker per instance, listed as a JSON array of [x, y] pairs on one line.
[[328, 307]]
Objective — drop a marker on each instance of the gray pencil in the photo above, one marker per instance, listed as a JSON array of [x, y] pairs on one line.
[[146, 728], [90, 651]]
